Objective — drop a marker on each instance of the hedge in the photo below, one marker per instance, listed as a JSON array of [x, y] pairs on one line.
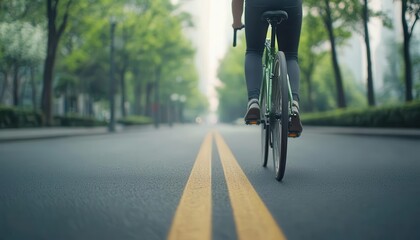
[[11, 117], [15, 118], [135, 120], [402, 116], [78, 121]]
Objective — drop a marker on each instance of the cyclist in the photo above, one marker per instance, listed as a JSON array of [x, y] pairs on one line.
[[288, 35]]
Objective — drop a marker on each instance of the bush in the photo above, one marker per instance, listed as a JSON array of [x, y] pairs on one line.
[[11, 117], [135, 120], [16, 118], [77, 121], [403, 116]]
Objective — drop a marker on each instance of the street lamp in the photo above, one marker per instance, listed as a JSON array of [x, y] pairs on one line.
[[111, 127]]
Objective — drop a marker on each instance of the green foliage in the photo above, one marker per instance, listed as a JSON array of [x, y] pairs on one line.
[[344, 14], [150, 47], [393, 86], [232, 92], [324, 91], [77, 121], [159, 52], [22, 42], [400, 116], [16, 118], [21, 118], [311, 54]]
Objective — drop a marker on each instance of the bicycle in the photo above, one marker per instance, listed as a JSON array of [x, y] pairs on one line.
[[275, 99]]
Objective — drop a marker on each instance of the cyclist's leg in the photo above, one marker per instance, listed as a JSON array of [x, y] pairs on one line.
[[288, 35], [255, 33]]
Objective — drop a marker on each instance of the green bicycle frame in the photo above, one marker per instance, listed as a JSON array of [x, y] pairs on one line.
[[269, 56]]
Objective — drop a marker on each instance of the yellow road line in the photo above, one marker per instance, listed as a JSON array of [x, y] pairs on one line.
[[192, 219], [252, 218]]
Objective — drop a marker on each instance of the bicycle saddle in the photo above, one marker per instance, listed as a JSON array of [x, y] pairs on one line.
[[275, 16]]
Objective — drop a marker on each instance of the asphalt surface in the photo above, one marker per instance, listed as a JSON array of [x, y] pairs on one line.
[[339, 184]]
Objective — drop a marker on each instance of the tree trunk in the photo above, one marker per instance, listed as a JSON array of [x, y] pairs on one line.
[[137, 98], [125, 63], [33, 87], [341, 100], [23, 84], [310, 100], [47, 89], [90, 107], [54, 35], [370, 89], [67, 101], [308, 76], [16, 84], [157, 114], [123, 93], [407, 57], [148, 108], [111, 126], [4, 86]]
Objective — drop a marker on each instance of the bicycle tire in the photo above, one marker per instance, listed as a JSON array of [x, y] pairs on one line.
[[279, 119], [265, 129]]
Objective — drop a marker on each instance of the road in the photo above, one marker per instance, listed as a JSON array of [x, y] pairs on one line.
[[206, 182]]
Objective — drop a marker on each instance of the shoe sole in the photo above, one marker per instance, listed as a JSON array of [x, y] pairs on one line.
[[252, 117], [295, 128]]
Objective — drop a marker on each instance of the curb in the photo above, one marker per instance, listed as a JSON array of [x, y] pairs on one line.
[[38, 134]]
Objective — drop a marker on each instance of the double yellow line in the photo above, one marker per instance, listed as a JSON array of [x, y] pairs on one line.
[[192, 219]]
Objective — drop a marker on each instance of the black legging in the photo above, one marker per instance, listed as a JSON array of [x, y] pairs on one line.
[[288, 35]]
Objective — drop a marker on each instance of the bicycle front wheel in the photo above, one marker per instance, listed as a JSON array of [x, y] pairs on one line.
[[279, 119]]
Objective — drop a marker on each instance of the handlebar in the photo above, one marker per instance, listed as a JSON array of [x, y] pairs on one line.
[[234, 34]]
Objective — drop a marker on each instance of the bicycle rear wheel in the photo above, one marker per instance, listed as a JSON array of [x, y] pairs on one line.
[[279, 119], [265, 128]]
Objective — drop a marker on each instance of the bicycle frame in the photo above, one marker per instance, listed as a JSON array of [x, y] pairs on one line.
[[268, 65]]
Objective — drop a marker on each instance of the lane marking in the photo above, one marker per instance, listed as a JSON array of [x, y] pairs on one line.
[[252, 218], [192, 218]]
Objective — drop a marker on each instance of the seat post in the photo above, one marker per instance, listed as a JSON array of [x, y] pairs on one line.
[[273, 34]]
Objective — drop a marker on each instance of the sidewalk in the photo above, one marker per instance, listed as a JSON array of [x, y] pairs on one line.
[[8, 135], [385, 132]]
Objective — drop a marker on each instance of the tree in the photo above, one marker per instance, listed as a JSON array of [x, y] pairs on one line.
[[370, 89], [410, 13], [21, 40], [232, 91], [393, 87], [337, 16], [310, 54], [57, 23], [83, 54]]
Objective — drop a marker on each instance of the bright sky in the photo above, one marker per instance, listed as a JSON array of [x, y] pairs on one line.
[[211, 37]]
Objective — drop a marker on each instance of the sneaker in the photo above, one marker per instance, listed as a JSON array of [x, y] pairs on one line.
[[252, 115], [295, 128]]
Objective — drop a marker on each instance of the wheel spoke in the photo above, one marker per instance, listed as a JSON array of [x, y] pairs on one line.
[[279, 115]]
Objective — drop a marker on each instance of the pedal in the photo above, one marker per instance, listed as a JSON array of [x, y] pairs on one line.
[[293, 134], [252, 122]]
